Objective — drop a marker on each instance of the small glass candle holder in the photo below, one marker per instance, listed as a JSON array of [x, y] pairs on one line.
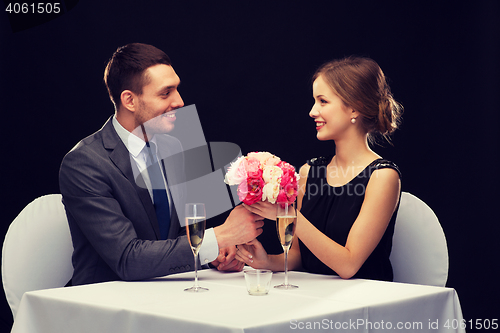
[[258, 281]]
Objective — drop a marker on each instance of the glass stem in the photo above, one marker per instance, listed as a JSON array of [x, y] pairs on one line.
[[286, 266], [196, 270]]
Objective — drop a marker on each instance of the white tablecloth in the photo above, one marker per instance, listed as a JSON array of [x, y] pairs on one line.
[[321, 303]]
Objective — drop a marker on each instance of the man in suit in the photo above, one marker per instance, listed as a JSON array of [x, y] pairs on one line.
[[113, 221]]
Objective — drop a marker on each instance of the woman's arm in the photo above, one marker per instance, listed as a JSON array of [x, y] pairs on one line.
[[303, 172], [381, 198]]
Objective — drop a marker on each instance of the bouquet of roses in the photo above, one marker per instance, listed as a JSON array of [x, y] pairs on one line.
[[263, 176]]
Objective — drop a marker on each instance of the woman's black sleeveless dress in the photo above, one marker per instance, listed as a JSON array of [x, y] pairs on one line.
[[333, 211]]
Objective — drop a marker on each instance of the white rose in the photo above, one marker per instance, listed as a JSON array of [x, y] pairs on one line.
[[270, 192], [261, 156], [232, 177], [273, 160], [272, 174]]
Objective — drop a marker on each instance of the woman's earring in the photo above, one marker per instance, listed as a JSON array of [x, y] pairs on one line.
[[353, 120]]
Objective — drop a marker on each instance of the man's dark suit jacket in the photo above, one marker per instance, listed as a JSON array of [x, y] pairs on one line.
[[112, 220]]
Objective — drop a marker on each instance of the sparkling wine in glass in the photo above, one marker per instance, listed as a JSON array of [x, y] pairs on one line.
[[286, 219], [195, 229]]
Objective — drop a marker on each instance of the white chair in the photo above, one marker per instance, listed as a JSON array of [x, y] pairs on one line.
[[37, 250], [419, 251]]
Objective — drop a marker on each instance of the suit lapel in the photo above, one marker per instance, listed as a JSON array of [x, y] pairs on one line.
[[120, 156]]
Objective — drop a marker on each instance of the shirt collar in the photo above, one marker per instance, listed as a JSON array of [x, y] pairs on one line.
[[133, 143]]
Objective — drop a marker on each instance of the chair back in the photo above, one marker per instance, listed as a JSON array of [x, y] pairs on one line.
[[419, 251], [37, 250]]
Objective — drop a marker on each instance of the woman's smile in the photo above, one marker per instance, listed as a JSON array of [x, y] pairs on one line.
[[319, 125]]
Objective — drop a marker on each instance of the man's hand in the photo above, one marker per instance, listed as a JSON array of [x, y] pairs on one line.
[[241, 227], [226, 260]]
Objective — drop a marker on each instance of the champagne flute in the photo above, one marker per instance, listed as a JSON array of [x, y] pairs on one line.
[[286, 219], [195, 229]]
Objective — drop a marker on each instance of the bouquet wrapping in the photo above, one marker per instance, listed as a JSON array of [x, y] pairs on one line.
[[263, 176]]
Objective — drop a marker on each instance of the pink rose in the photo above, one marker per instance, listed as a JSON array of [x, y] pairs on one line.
[[291, 191], [241, 171], [253, 168], [286, 167], [289, 186], [288, 173], [285, 179], [282, 198], [287, 193], [250, 191]]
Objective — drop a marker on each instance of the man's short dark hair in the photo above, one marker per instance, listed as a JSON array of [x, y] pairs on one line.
[[126, 69]]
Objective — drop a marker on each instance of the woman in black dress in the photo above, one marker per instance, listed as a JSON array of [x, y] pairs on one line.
[[348, 203]]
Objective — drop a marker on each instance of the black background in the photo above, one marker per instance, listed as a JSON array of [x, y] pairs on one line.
[[247, 66]]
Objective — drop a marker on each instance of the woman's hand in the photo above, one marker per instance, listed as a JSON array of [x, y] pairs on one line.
[[253, 254], [263, 208]]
